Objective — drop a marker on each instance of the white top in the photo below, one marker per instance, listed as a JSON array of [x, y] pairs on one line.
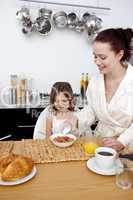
[[57, 124], [116, 117], [40, 127]]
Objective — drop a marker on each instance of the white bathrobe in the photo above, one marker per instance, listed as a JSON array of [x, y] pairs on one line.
[[116, 117]]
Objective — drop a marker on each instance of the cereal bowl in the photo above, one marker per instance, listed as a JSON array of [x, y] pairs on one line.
[[62, 141]]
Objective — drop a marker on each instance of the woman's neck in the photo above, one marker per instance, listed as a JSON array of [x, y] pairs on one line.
[[117, 74]]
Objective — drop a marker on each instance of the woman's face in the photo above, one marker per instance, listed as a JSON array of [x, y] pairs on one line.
[[61, 102], [105, 58]]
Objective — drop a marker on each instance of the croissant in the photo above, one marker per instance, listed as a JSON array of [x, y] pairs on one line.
[[14, 167]]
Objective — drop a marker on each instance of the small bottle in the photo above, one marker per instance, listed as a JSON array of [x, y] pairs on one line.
[[13, 89], [82, 93], [86, 82]]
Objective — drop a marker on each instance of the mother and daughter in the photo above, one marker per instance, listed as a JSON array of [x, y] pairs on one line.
[[109, 95]]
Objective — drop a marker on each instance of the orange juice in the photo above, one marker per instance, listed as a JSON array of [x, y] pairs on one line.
[[90, 147]]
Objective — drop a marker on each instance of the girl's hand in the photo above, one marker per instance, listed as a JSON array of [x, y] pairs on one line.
[[66, 127], [112, 143]]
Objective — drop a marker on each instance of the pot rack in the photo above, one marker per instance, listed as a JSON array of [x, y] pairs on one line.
[[67, 4]]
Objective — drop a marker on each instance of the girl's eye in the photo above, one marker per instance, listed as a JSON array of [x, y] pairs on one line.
[[65, 101]]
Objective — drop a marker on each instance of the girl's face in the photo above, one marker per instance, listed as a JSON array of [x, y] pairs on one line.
[[61, 102], [105, 58]]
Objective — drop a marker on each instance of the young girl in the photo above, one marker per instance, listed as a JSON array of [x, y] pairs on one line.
[[59, 115]]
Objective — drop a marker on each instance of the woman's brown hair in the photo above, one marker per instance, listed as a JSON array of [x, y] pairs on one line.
[[119, 39]]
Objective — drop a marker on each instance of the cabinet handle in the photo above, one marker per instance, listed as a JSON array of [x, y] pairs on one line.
[[26, 126]]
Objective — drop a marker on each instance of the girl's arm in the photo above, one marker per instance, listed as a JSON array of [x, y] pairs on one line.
[[49, 126]]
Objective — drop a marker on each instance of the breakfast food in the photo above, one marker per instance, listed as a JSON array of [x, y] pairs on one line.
[[14, 167], [63, 139]]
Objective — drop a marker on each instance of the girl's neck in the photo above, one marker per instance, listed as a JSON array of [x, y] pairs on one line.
[[63, 114]]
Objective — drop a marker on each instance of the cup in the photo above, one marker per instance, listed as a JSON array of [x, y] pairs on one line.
[[90, 144], [124, 177], [105, 157]]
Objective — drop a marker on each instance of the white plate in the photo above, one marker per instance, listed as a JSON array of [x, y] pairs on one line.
[[62, 144], [91, 164], [20, 181]]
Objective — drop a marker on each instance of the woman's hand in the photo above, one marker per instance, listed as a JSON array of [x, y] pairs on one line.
[[112, 143]]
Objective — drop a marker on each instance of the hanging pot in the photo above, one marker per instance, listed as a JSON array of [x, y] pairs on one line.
[[98, 24], [22, 14], [93, 24], [86, 17], [45, 13], [60, 19], [45, 28], [72, 20], [43, 25], [80, 26], [28, 26], [90, 25]]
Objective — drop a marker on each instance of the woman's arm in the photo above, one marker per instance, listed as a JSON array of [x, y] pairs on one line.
[[122, 141], [127, 136], [86, 117], [113, 143]]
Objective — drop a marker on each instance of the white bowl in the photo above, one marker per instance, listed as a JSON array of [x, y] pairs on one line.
[[62, 144]]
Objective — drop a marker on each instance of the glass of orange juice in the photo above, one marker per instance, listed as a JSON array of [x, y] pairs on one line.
[[90, 144]]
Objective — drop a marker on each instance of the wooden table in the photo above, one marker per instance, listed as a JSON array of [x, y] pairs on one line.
[[66, 181]]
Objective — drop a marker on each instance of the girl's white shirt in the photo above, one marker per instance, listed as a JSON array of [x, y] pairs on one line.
[[40, 127], [57, 124], [116, 117]]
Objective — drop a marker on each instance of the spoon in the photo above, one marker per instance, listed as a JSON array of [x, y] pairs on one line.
[[66, 130], [127, 156]]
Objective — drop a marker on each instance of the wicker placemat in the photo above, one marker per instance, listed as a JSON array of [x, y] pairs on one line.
[[6, 147], [43, 151]]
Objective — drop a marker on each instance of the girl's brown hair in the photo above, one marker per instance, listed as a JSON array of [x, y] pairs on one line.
[[66, 88]]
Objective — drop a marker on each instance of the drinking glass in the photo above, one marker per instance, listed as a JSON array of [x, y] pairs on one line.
[[124, 177]]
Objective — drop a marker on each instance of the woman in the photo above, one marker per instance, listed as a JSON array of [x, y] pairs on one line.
[[110, 92]]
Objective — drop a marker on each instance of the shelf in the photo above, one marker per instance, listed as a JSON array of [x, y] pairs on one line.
[[67, 4]]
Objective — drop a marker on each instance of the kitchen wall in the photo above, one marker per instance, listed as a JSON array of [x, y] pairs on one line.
[[62, 55]]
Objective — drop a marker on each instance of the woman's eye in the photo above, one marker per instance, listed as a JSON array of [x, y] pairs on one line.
[[100, 57], [103, 57]]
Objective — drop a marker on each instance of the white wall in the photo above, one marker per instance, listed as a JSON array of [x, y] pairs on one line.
[[63, 54]]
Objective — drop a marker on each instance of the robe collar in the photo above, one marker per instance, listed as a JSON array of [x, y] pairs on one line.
[[103, 105]]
